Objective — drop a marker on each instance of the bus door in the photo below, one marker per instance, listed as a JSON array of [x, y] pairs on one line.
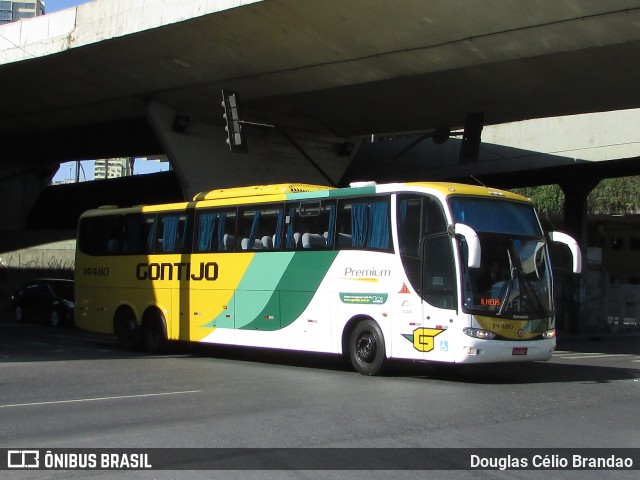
[[425, 248], [439, 311]]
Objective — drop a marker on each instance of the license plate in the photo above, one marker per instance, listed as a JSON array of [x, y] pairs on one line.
[[519, 351]]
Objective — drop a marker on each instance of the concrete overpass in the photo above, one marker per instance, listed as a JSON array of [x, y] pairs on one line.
[[111, 78]]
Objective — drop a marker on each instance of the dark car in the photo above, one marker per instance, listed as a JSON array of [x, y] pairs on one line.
[[45, 299]]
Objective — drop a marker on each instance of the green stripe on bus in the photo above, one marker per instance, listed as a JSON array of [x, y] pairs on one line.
[[294, 291], [257, 285], [275, 289]]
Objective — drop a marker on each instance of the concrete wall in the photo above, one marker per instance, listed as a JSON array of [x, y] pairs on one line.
[[17, 196], [593, 137], [98, 20], [54, 259]]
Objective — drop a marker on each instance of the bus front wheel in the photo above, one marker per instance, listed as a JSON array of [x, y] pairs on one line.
[[366, 348]]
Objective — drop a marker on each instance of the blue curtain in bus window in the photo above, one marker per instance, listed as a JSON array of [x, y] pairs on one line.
[[206, 225], [151, 235], [404, 206], [379, 225], [254, 229], [169, 233], [278, 239], [222, 220], [332, 225], [359, 225]]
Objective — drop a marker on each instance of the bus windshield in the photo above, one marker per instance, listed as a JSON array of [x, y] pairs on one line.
[[514, 278]]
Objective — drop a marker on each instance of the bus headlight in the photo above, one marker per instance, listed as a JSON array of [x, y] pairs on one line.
[[479, 333], [549, 333]]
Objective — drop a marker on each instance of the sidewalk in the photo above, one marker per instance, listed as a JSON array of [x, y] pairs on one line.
[[600, 342]]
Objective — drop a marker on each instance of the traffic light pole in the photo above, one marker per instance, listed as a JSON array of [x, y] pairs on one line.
[[235, 137], [295, 144]]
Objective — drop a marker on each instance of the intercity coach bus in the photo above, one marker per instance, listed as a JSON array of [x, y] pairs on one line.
[[433, 272]]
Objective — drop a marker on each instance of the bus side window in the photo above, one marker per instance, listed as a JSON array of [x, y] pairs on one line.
[[101, 235], [364, 224], [260, 228], [310, 225], [417, 217], [409, 216], [435, 221], [439, 272], [138, 234], [214, 231], [172, 232]]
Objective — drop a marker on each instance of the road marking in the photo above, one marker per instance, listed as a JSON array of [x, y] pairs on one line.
[[80, 400]]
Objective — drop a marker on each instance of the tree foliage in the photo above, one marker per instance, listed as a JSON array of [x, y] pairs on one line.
[[615, 196], [548, 199], [612, 196]]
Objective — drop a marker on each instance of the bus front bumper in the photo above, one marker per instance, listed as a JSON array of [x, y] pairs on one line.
[[492, 351]]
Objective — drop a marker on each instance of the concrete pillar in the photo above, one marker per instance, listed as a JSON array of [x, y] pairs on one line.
[[202, 161], [575, 224], [18, 194]]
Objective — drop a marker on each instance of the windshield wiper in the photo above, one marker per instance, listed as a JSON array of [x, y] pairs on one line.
[[506, 289], [531, 292]]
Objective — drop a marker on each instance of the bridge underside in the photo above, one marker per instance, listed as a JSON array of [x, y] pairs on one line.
[[330, 73]]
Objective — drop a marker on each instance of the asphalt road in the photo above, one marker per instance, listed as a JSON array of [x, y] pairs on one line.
[[62, 388]]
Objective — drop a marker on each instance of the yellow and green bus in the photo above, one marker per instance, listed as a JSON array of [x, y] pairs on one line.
[[436, 272]]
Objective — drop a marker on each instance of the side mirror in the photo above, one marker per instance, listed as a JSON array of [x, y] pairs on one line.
[[559, 237], [473, 243]]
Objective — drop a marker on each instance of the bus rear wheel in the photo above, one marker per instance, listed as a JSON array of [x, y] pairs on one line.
[[154, 334], [366, 348], [126, 329]]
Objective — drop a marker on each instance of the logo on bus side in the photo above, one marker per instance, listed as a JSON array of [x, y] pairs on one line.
[[423, 338], [179, 271], [365, 274], [364, 298]]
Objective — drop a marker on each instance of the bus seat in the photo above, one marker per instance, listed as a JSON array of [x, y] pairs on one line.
[[311, 240], [267, 242], [227, 241], [344, 240], [257, 244]]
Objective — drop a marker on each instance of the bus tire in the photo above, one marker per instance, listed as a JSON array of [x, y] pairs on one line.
[[154, 333], [126, 329], [366, 348]]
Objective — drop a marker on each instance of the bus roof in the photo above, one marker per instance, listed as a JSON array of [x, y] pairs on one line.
[[259, 190], [292, 191], [300, 191], [448, 189]]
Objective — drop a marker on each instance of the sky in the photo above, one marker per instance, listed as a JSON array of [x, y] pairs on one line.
[[51, 6], [67, 170]]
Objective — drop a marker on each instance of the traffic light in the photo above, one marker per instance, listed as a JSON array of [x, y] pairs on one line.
[[235, 136], [470, 145]]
